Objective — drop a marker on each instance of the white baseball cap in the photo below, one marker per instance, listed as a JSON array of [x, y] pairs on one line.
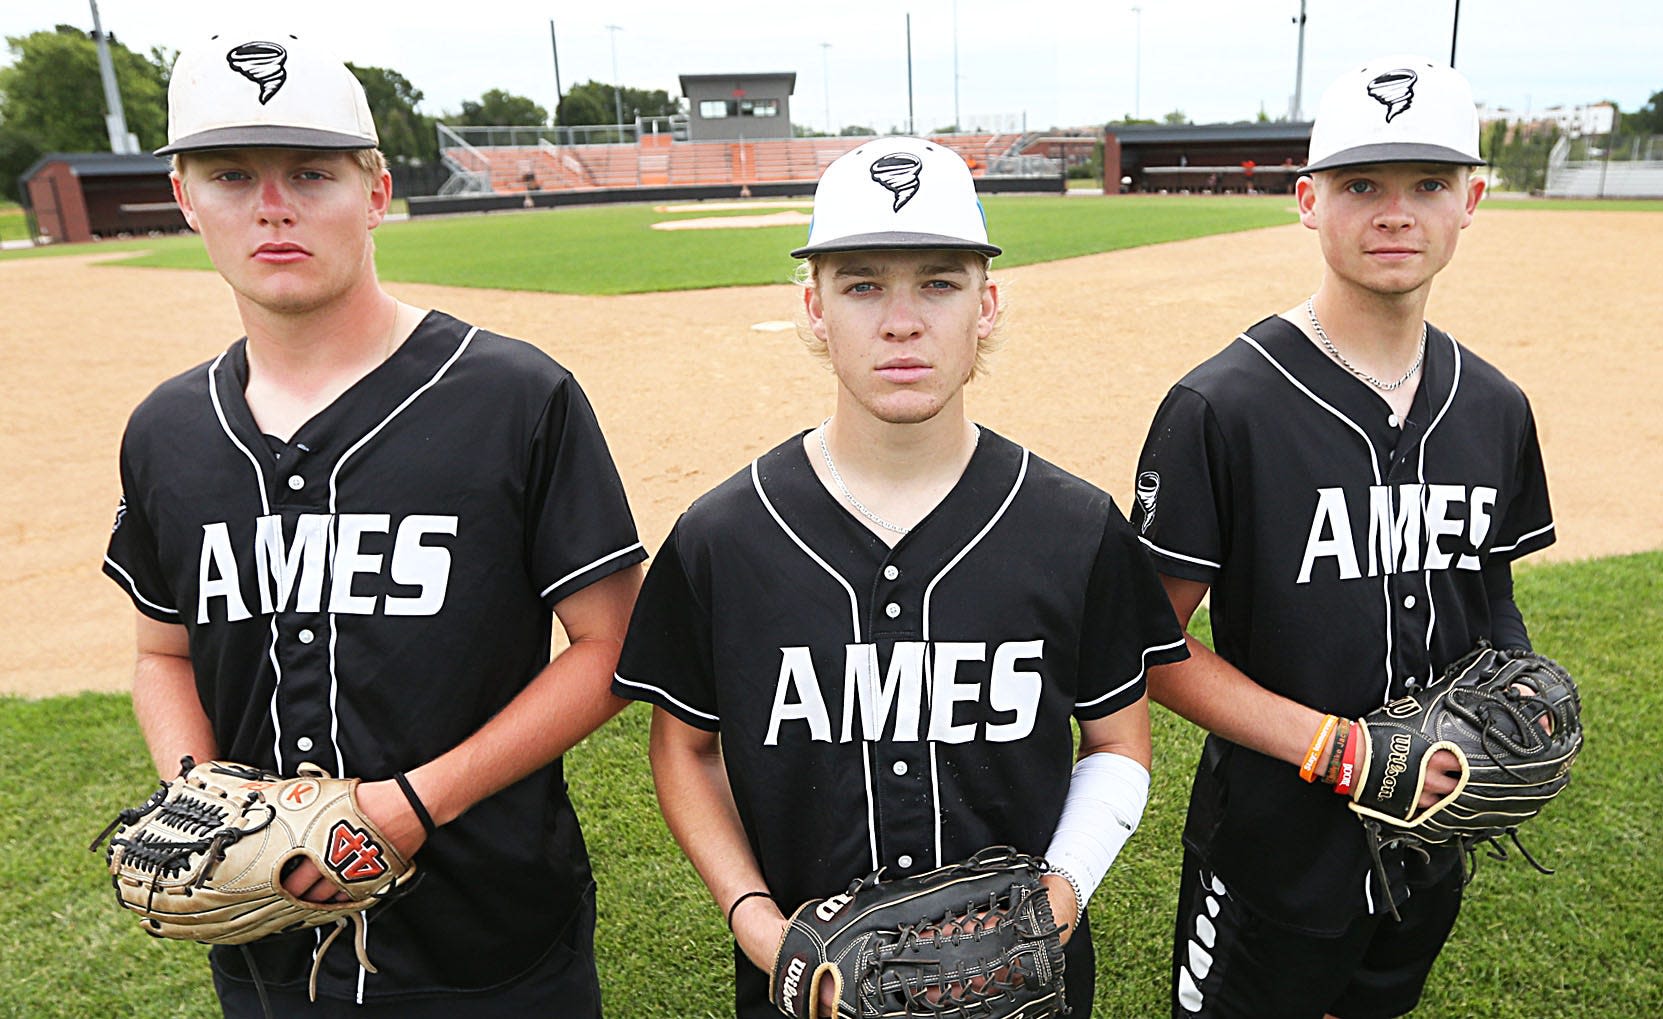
[[1396, 109], [897, 193], [265, 90]]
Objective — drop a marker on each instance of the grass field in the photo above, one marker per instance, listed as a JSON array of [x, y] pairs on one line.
[[614, 250], [13, 225], [1583, 942]]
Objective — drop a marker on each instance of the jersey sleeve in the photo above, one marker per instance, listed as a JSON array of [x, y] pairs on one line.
[[1129, 624], [1180, 495], [1528, 523], [667, 658], [131, 560], [580, 526]]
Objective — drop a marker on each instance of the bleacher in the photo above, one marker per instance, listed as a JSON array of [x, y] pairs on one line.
[[657, 160]]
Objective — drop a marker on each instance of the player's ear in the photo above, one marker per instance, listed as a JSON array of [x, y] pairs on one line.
[[1475, 192], [1305, 196], [381, 197], [182, 195], [816, 311], [989, 315]]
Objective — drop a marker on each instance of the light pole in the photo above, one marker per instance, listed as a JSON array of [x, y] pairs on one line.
[[617, 89], [1137, 79], [1298, 111], [825, 73]]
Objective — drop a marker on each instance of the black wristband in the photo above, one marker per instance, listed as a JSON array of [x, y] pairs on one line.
[[742, 898], [415, 803]]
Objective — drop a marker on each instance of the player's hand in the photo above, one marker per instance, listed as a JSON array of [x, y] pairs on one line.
[[1443, 774], [384, 804], [1065, 908]]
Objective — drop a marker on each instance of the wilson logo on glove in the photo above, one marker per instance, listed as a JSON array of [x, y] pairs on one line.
[[353, 854]]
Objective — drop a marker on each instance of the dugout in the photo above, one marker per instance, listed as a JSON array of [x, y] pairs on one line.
[[79, 196], [1205, 158]]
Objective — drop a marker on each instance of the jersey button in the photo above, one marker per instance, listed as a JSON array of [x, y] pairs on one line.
[[903, 861], [890, 572], [303, 744], [892, 610], [1391, 419], [1409, 602], [900, 768], [305, 636], [296, 482]]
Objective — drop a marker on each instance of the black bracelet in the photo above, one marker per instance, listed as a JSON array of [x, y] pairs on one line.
[[415, 803], [742, 898]]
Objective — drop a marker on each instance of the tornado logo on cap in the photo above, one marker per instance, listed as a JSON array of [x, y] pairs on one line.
[[261, 63], [898, 172], [1395, 90]]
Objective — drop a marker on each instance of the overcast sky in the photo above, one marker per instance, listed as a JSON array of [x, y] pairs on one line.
[[1032, 64]]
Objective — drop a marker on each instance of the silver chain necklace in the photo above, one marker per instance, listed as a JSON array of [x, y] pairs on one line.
[[1328, 345], [837, 479]]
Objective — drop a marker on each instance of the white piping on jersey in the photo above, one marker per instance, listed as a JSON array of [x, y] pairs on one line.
[[1368, 891], [1142, 668], [133, 587], [585, 569], [1374, 465], [334, 495], [277, 681], [219, 412], [1432, 606], [929, 591], [1522, 539], [660, 691], [854, 619], [1180, 555]]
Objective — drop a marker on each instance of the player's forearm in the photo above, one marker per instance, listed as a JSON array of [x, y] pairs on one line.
[[569, 699], [1220, 698], [697, 803], [169, 712]]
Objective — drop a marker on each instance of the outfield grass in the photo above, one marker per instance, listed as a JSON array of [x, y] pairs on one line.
[[13, 225], [614, 250], [1582, 942], [1510, 201]]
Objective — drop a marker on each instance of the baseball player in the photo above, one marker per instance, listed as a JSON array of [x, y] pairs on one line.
[[1351, 484], [865, 648], [344, 537]]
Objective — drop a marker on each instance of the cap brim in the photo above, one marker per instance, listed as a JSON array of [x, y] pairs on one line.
[[261, 136], [895, 240], [1393, 152]]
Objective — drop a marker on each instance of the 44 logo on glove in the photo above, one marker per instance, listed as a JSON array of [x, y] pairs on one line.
[[353, 854]]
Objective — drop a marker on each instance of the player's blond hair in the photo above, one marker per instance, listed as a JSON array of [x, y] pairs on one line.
[[807, 274], [371, 163]]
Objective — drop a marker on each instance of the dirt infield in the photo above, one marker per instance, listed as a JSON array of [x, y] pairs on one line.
[[1566, 303]]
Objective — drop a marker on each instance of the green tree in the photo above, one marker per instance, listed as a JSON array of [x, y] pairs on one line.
[[1521, 156], [17, 152], [1647, 120], [497, 108], [406, 135], [855, 131], [1176, 117], [53, 95], [592, 103]]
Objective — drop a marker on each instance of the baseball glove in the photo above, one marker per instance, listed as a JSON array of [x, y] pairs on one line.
[[1512, 719], [203, 858], [974, 939]]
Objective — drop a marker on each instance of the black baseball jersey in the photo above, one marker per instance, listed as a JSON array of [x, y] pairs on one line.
[[1344, 549], [367, 594], [900, 707]]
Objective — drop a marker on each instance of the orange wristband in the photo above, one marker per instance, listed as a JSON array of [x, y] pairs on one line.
[[1319, 743]]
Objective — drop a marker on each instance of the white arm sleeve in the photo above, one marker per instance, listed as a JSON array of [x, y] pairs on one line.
[[1105, 801]]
